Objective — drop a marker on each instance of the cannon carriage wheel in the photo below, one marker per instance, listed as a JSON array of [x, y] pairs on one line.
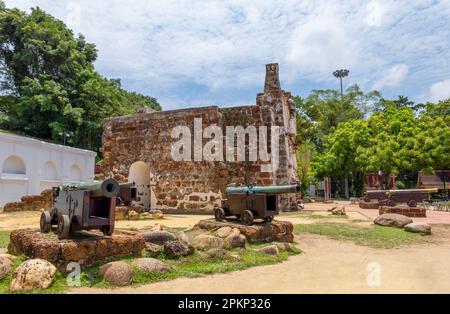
[[45, 222], [219, 214], [107, 230], [63, 227], [247, 217], [412, 203], [391, 203]]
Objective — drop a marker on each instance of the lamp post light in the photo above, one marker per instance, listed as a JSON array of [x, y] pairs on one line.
[[341, 74], [64, 135]]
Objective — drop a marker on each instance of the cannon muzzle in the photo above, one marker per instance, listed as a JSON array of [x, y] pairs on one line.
[[271, 189], [107, 188]]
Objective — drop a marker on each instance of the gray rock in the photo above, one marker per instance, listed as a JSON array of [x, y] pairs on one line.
[[150, 265], [235, 240], [205, 241], [157, 214], [175, 249], [223, 232], [5, 266], [152, 249], [8, 256], [33, 274], [392, 220], [183, 237], [117, 273], [158, 237], [286, 247], [216, 253], [269, 250], [418, 227]]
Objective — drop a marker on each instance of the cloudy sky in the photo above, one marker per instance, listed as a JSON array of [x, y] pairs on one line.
[[198, 52]]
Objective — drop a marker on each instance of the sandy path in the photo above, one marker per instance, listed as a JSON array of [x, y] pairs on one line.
[[30, 219], [327, 266]]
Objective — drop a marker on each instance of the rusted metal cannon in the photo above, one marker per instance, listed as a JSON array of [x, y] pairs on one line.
[[392, 197], [82, 207], [127, 194], [252, 202]]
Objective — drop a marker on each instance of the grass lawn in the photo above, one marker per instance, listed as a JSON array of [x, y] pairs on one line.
[[195, 265], [374, 236], [4, 238]]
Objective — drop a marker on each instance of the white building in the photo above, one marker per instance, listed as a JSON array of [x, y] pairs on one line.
[[29, 166]]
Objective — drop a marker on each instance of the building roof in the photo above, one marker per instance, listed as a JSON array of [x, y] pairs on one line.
[[10, 137]]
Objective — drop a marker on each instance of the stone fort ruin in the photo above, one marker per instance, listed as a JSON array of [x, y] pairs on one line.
[[138, 148]]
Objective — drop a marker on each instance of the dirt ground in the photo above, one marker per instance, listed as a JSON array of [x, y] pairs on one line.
[[325, 266]]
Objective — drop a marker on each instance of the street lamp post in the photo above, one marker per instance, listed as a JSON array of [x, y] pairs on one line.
[[341, 74], [64, 135]]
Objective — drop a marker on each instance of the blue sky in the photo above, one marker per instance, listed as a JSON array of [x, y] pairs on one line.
[[195, 53]]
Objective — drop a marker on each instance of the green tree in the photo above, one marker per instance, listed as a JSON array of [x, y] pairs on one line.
[[49, 84], [343, 147]]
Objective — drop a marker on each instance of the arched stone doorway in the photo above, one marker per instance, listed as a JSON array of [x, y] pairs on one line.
[[140, 175]]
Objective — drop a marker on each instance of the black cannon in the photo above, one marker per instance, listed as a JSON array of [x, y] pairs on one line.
[[392, 197], [127, 194], [82, 207], [252, 202]]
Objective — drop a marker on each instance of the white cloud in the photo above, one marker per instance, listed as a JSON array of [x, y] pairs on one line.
[[440, 91], [185, 51], [392, 77], [375, 13], [321, 45]]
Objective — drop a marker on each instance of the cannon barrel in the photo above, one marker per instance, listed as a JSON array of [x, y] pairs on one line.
[[107, 188], [431, 190], [126, 184], [270, 189]]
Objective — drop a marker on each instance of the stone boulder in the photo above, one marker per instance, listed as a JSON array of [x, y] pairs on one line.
[[223, 232], [158, 237], [150, 265], [418, 227], [146, 215], [235, 239], [337, 210], [183, 237], [175, 249], [205, 241], [86, 248], [288, 247], [11, 257], [117, 273], [6, 266], [121, 212], [33, 274], [152, 249], [259, 232], [269, 250], [216, 254], [392, 220], [133, 215], [156, 214]]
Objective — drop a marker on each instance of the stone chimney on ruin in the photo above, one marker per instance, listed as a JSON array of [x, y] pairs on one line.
[[272, 81]]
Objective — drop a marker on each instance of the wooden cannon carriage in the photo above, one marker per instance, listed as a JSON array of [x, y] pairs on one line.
[[252, 202], [392, 197], [82, 207]]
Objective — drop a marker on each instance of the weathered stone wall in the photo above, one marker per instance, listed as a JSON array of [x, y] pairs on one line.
[[197, 186]]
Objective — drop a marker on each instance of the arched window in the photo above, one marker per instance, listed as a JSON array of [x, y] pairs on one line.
[[14, 165], [75, 174], [49, 171]]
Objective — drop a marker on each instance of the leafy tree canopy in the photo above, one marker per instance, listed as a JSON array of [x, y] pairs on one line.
[[49, 84]]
